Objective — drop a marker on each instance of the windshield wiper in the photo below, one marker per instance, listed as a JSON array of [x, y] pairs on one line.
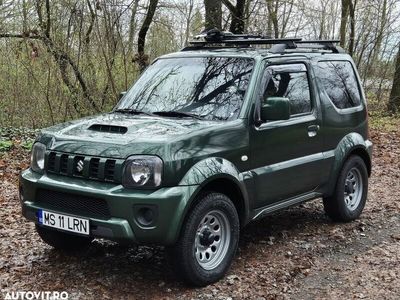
[[176, 113], [132, 111]]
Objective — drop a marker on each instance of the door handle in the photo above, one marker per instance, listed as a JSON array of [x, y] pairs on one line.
[[312, 130]]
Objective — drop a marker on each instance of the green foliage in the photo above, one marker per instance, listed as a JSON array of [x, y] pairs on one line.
[[197, 23], [382, 121], [157, 46], [16, 137], [5, 145], [27, 145]]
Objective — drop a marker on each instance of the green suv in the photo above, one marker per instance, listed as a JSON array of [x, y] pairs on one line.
[[222, 133]]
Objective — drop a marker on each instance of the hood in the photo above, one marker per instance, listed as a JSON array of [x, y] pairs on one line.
[[180, 143], [120, 135]]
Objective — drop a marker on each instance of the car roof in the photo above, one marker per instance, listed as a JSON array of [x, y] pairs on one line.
[[255, 53]]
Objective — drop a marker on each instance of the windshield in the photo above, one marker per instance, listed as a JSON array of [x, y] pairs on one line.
[[212, 88]]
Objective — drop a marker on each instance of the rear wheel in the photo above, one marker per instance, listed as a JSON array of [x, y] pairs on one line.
[[349, 198], [61, 240], [208, 241]]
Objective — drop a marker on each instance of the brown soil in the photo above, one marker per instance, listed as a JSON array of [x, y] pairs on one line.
[[294, 254]]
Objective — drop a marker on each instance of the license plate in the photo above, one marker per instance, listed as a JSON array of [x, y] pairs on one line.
[[64, 222]]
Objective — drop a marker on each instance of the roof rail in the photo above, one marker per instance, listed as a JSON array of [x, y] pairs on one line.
[[311, 44], [214, 36]]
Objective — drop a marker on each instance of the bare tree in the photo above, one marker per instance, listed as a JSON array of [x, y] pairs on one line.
[[88, 46], [237, 15], [352, 9], [343, 21], [273, 7], [213, 14], [132, 26], [143, 59], [394, 99], [62, 58]]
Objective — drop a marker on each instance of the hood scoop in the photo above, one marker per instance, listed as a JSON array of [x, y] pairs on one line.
[[108, 128]]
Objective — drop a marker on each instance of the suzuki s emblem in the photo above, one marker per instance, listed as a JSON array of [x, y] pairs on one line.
[[79, 166]]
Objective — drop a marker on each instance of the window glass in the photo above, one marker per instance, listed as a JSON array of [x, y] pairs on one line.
[[339, 82], [211, 87], [289, 81]]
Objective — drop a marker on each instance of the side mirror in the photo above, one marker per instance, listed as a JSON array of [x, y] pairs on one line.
[[275, 108], [121, 95]]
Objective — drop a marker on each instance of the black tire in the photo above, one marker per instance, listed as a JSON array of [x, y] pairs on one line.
[[183, 254], [61, 240], [335, 206]]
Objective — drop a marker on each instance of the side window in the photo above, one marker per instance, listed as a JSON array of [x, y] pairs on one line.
[[289, 81], [339, 82]]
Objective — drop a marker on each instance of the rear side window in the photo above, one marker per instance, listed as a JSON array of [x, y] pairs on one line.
[[289, 81], [339, 81]]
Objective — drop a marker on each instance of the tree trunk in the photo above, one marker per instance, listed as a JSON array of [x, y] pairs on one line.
[[273, 15], [247, 13], [132, 26], [188, 20], [90, 28], [143, 59], [343, 22], [63, 59], [213, 14], [381, 32], [352, 8], [394, 100], [237, 14], [286, 16]]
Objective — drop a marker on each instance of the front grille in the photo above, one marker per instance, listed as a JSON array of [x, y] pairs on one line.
[[73, 204], [88, 167]]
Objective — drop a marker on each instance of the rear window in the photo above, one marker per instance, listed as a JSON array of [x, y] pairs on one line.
[[339, 81]]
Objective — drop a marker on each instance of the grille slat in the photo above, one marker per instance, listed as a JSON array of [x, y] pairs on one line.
[[94, 168], [64, 164], [109, 170], [51, 162], [73, 204]]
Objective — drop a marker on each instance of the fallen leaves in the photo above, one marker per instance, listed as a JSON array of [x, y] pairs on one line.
[[297, 253]]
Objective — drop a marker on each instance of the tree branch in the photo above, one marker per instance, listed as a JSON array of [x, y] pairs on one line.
[[92, 19], [142, 58], [230, 6], [20, 36], [48, 22]]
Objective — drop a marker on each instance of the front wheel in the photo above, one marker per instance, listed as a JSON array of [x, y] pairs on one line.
[[208, 240], [350, 196]]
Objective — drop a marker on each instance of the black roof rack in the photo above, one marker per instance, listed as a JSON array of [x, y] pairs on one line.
[[214, 37], [328, 45]]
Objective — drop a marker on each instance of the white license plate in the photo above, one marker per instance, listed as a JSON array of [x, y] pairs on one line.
[[63, 222]]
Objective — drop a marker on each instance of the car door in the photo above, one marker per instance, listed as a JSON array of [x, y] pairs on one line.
[[286, 154]]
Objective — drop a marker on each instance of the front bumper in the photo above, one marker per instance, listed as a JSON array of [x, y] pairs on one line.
[[123, 224]]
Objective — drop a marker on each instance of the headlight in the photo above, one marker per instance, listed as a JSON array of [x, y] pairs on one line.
[[142, 171], [37, 157]]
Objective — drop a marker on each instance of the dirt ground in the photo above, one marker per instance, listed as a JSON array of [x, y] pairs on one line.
[[294, 254]]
